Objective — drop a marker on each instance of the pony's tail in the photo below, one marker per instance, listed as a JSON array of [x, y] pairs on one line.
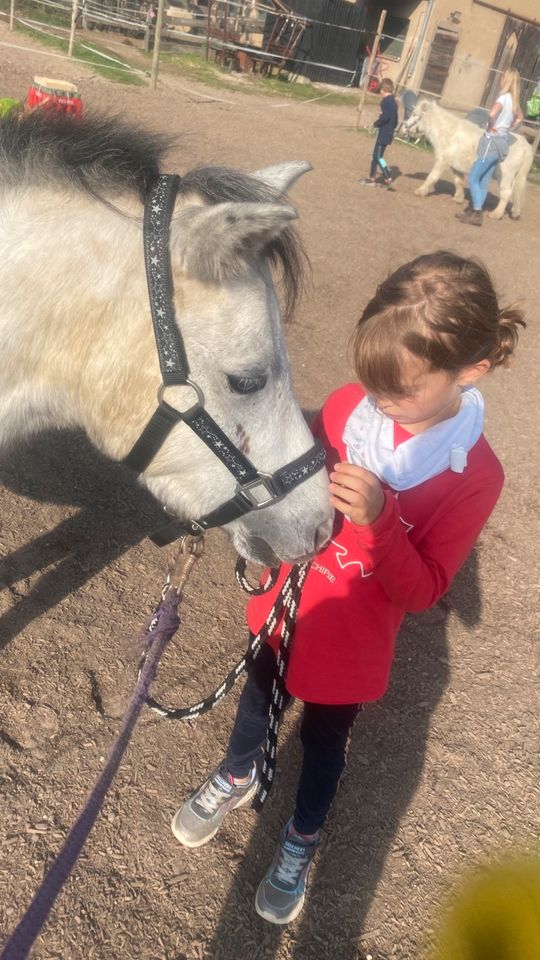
[[520, 184]]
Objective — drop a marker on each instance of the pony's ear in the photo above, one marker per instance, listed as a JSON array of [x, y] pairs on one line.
[[215, 243], [282, 176], [422, 106]]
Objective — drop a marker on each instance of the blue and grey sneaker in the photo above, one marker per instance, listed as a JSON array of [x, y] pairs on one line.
[[281, 894], [201, 815]]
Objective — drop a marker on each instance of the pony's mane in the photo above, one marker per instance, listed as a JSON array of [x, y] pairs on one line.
[[102, 155], [99, 154]]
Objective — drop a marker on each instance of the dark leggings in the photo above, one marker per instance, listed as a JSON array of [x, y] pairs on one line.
[[378, 153], [324, 733]]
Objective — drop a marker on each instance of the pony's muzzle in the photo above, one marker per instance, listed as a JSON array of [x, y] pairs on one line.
[[259, 550]]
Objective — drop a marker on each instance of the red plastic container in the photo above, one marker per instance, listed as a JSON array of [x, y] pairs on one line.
[[57, 95]]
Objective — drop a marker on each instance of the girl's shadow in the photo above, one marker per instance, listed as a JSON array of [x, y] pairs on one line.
[[114, 514], [385, 765]]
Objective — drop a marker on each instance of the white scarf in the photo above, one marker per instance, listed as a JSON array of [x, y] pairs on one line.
[[369, 438]]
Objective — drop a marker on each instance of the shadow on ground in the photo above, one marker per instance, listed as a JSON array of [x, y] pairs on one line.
[[385, 765], [446, 188], [114, 514]]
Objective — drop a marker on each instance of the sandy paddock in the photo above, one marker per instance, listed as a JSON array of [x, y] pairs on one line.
[[442, 773]]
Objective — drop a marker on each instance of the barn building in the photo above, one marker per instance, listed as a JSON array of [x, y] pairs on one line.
[[451, 49], [456, 49]]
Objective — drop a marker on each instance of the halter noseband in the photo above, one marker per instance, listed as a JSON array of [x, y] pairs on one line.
[[254, 489]]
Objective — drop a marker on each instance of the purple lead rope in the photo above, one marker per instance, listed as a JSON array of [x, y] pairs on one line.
[[164, 625]]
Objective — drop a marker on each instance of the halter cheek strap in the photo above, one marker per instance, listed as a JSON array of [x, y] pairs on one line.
[[254, 489]]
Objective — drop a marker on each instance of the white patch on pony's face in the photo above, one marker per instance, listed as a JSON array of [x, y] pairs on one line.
[[237, 356]]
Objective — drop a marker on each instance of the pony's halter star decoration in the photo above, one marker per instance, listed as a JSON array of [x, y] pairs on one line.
[[254, 489]]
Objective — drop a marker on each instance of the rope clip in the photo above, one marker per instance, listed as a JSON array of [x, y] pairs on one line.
[[190, 549]]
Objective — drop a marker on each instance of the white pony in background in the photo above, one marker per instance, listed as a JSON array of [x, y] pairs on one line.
[[455, 142], [76, 332]]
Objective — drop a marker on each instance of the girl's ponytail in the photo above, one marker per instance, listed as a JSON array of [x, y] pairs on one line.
[[510, 320]]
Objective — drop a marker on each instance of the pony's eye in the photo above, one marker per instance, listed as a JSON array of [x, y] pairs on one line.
[[247, 384]]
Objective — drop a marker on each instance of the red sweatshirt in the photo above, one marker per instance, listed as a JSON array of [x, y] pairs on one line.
[[362, 584]]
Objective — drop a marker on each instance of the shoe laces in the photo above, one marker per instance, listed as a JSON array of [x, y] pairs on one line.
[[212, 797], [290, 865]]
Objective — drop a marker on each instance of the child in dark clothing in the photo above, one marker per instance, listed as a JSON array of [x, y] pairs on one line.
[[386, 123]]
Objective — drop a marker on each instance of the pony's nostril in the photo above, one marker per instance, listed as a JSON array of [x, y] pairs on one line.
[[322, 536]]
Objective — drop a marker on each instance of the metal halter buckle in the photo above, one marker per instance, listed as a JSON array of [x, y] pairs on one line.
[[255, 491]]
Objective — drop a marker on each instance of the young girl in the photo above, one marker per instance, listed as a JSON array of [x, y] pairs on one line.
[[504, 116], [413, 481]]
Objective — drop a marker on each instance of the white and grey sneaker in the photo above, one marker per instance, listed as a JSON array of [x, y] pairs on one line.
[[201, 815], [281, 894]]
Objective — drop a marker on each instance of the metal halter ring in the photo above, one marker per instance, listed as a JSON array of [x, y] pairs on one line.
[[188, 383]]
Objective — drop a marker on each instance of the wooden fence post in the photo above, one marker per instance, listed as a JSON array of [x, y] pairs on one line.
[[12, 15], [208, 20], [157, 45], [372, 56], [74, 11]]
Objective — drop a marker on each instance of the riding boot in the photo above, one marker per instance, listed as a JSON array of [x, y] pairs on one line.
[[473, 218]]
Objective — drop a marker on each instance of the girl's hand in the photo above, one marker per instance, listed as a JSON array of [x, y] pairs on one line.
[[356, 492]]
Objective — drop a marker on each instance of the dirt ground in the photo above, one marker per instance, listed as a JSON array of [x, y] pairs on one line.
[[443, 773]]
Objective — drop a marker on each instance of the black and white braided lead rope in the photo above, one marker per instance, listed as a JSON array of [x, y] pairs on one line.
[[240, 574], [204, 706], [291, 593], [284, 608]]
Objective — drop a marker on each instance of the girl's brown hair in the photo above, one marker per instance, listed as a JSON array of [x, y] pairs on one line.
[[439, 307]]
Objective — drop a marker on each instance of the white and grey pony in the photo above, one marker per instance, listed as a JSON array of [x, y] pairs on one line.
[[75, 327], [455, 142]]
